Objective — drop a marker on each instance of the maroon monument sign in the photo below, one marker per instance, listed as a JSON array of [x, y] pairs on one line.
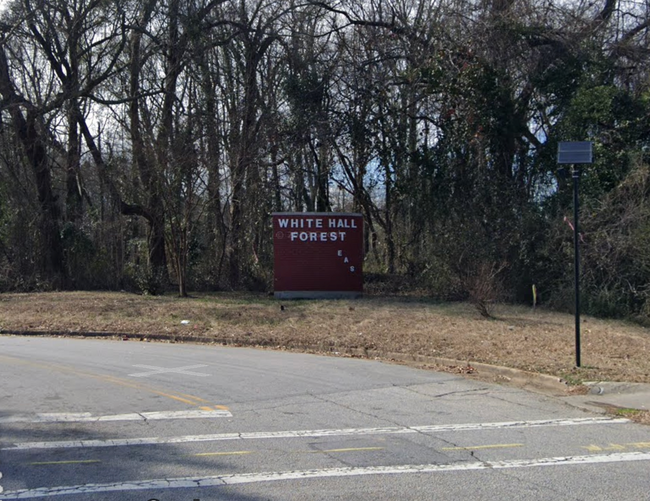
[[317, 255]]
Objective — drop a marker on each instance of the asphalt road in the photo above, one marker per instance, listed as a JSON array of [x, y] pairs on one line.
[[85, 420]]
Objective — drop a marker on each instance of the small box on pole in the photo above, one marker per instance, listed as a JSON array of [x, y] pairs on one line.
[[575, 152]]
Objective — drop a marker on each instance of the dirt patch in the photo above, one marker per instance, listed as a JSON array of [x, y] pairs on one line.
[[638, 416], [642, 417], [532, 340]]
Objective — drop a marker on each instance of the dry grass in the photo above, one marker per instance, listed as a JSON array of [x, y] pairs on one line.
[[638, 416], [539, 341]]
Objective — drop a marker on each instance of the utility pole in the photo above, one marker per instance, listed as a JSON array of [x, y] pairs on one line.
[[576, 255]]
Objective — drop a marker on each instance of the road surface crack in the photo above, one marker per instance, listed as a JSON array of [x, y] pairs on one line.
[[349, 408], [484, 391]]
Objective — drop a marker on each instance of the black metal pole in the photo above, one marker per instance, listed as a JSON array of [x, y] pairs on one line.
[[576, 246]]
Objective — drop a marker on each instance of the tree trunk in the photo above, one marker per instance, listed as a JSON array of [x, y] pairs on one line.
[[74, 210], [148, 174], [216, 228], [52, 265]]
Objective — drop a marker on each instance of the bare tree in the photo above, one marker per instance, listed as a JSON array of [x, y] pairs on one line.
[[27, 124]]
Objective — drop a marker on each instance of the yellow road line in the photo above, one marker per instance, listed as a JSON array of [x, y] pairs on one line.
[[46, 463], [234, 453], [129, 384], [616, 447], [640, 445], [190, 400], [477, 447]]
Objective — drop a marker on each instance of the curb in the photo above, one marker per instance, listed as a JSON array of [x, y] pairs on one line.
[[124, 335], [518, 377]]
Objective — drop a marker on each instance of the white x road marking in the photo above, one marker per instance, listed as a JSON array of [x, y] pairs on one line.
[[163, 370]]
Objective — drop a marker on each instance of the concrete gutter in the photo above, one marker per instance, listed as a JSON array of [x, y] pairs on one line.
[[608, 395], [493, 373]]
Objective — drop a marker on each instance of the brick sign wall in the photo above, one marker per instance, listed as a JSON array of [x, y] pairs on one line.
[[318, 255]]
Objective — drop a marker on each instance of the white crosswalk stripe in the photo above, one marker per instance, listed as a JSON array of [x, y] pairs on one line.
[[249, 478], [391, 430], [87, 417]]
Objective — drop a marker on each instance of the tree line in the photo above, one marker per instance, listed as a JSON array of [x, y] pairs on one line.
[[145, 144]]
